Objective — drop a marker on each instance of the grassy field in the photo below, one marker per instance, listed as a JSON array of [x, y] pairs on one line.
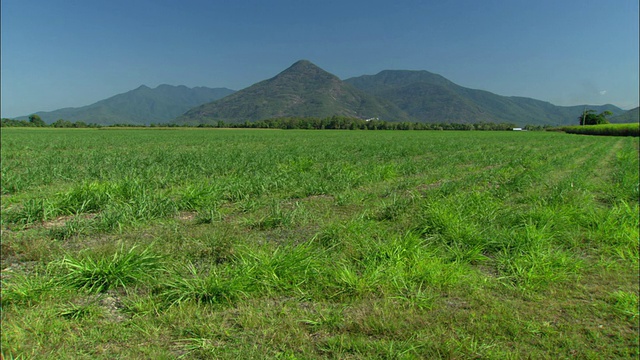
[[200, 244]]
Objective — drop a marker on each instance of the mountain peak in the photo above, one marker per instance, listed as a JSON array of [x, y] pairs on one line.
[[303, 90], [303, 71], [304, 66], [303, 63]]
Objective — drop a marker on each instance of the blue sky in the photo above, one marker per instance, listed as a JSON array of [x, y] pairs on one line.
[[69, 53]]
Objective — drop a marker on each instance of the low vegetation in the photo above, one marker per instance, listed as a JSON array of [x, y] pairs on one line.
[[212, 243], [297, 123]]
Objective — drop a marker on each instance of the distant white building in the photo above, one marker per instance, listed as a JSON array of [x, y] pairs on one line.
[[517, 129]]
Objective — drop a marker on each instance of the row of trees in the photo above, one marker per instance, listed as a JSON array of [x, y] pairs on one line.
[[333, 122], [350, 123], [589, 117], [36, 121]]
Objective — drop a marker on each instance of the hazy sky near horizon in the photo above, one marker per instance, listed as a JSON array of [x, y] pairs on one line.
[[71, 53]]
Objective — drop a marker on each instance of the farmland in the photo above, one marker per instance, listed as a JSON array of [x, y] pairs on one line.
[[201, 243], [630, 129]]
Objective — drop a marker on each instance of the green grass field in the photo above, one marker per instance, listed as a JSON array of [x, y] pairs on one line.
[[196, 244]]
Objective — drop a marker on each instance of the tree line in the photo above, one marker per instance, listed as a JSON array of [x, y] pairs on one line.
[[36, 121], [328, 123], [351, 123]]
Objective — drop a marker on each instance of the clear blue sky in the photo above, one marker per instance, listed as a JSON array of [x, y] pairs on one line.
[[69, 53]]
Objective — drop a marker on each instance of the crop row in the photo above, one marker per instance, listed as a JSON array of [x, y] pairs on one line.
[[605, 129]]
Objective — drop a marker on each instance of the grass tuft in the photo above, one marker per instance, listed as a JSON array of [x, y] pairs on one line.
[[97, 273], [220, 286], [25, 289], [625, 303]]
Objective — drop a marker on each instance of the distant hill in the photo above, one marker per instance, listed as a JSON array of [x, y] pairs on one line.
[[302, 90], [141, 106], [631, 116], [428, 97]]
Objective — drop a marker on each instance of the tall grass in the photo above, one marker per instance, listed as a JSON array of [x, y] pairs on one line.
[[97, 273], [218, 286], [605, 129]]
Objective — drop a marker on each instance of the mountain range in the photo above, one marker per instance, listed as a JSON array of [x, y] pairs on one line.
[[306, 90], [141, 106], [630, 116], [429, 97]]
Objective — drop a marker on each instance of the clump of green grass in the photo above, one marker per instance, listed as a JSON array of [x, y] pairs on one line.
[[193, 197], [208, 215], [625, 303], [278, 216], [72, 227], [32, 211], [88, 197], [74, 311], [403, 267], [454, 224], [393, 208], [222, 285], [25, 289], [537, 269], [97, 273], [286, 268], [354, 283]]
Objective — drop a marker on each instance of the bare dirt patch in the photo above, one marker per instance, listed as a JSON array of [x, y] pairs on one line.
[[62, 220], [187, 216]]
